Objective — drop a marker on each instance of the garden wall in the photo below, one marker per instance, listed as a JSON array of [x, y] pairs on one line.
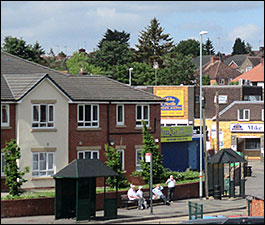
[[45, 206]]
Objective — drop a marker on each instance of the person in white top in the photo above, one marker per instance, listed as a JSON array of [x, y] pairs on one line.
[[133, 196], [140, 194], [170, 185], [158, 194]]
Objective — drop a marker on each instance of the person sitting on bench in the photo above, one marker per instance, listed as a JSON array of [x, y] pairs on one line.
[[133, 196], [158, 194]]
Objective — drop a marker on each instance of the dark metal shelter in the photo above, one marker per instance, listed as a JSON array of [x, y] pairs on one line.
[[236, 176], [75, 190]]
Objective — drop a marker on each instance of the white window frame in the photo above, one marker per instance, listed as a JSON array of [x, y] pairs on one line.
[[262, 115], [48, 120], [119, 123], [142, 115], [137, 164], [222, 81], [248, 68], [6, 124], [2, 165], [47, 170], [243, 119], [122, 158], [91, 151], [91, 116]]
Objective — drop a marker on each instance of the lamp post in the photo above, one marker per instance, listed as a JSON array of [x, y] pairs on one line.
[[130, 76], [201, 33], [155, 66]]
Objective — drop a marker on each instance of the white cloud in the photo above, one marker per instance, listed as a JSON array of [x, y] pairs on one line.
[[249, 32]]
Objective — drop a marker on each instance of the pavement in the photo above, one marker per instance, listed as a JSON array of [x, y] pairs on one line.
[[179, 208]]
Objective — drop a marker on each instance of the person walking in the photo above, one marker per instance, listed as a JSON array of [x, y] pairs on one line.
[[171, 182]]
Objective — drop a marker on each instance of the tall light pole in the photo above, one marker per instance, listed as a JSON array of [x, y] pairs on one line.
[[201, 33], [130, 76], [156, 66]]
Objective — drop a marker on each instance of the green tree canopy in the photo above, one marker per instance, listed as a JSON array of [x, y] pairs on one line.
[[79, 62], [20, 48], [208, 47], [189, 47], [153, 44], [120, 37], [239, 47], [14, 177]]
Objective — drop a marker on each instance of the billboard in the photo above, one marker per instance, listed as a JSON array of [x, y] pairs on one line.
[[174, 105], [176, 134]]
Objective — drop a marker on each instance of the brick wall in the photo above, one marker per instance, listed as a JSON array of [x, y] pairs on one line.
[[45, 206], [256, 207]]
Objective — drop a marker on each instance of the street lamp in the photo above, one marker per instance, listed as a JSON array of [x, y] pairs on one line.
[[130, 76], [201, 33], [155, 66]]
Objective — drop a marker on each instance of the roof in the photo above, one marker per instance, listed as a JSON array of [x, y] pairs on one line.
[[76, 87], [205, 59], [82, 168], [255, 60], [226, 155], [254, 75], [238, 59], [219, 69], [238, 103]]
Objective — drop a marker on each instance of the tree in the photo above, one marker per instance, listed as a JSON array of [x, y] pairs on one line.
[[153, 44], [239, 47], [249, 48], [19, 48], [190, 47], [209, 49], [178, 70], [151, 147], [120, 37], [78, 62], [14, 178], [113, 160], [205, 80]]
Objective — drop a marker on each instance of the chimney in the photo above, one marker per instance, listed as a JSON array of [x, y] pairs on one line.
[[214, 58], [82, 50]]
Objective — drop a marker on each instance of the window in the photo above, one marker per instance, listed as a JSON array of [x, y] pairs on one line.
[[138, 159], [142, 113], [120, 114], [3, 163], [43, 164], [221, 81], [88, 154], [248, 68], [252, 144], [122, 159], [43, 116], [88, 115], [262, 114], [4, 115], [252, 97], [243, 115]]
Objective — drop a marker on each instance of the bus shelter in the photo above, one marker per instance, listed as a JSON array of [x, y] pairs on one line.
[[226, 183], [75, 190]]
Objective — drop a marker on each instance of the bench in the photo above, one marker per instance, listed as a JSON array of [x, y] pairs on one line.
[[125, 202]]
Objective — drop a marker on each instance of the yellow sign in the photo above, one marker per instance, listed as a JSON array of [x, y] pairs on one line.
[[174, 105]]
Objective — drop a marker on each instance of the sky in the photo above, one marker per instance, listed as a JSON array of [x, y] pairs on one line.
[[70, 25]]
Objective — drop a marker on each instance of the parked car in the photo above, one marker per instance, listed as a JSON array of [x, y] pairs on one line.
[[228, 220]]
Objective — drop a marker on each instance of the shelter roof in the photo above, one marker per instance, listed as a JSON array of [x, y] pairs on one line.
[[83, 168], [226, 155]]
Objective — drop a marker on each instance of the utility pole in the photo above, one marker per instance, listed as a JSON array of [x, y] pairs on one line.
[[205, 154], [217, 121]]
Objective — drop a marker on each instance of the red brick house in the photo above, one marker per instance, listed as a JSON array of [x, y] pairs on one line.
[[56, 118]]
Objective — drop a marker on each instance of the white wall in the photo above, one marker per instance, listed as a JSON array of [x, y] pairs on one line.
[[27, 139]]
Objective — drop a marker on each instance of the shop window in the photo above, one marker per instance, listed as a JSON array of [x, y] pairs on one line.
[[252, 144]]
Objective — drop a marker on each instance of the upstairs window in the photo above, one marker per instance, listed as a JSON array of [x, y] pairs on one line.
[[88, 155], [88, 115], [43, 115], [142, 113], [120, 114], [3, 163], [243, 115], [4, 115], [221, 81]]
